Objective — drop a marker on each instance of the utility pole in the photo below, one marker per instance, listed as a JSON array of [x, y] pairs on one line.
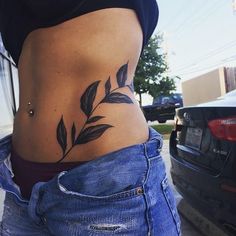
[[234, 6]]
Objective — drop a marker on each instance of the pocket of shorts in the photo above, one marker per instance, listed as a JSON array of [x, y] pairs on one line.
[[169, 196], [123, 194]]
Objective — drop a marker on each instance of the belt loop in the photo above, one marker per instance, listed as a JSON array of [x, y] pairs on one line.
[[145, 149], [160, 143]]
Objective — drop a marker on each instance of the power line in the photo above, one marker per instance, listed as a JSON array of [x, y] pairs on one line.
[[177, 15], [214, 52], [193, 15], [207, 68], [201, 15], [199, 19], [213, 11]]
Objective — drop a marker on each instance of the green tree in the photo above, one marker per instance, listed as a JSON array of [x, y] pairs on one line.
[[150, 76]]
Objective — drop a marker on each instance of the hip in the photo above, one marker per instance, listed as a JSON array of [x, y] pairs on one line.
[[125, 192]]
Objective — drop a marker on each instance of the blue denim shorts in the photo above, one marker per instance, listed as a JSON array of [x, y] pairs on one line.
[[125, 192]]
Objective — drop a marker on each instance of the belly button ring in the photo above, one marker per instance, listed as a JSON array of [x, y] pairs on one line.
[[30, 111]]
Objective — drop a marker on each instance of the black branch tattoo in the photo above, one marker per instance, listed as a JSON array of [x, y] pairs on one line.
[[91, 131]]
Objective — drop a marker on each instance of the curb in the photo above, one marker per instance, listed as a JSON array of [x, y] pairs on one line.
[[205, 226]]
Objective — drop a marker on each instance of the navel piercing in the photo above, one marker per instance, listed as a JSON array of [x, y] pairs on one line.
[[30, 111]]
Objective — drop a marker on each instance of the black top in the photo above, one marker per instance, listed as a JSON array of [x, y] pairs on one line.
[[20, 17]]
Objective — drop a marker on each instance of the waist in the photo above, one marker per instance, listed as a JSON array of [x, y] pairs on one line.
[[119, 162], [67, 134], [64, 121]]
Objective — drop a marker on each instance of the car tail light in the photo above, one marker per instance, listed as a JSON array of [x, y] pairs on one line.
[[224, 128]]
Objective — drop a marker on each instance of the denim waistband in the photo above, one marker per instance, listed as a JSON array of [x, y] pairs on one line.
[[153, 146], [134, 157], [127, 168], [127, 165]]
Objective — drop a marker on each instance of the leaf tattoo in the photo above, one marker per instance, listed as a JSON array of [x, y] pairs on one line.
[[94, 119], [108, 86], [73, 131], [62, 135], [122, 75], [117, 98], [91, 133], [87, 99]]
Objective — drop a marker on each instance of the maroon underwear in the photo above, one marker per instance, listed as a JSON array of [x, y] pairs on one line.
[[27, 173]]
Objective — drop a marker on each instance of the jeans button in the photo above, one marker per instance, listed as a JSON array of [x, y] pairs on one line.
[[139, 191]]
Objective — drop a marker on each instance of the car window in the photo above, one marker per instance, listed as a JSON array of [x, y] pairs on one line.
[[165, 100], [172, 100], [177, 97]]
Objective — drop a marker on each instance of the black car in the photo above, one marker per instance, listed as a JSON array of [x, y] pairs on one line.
[[163, 108], [172, 99], [203, 158]]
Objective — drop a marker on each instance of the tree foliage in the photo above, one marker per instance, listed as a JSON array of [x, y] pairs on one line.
[[150, 76]]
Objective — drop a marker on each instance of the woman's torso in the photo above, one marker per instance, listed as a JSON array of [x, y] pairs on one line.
[[57, 65]]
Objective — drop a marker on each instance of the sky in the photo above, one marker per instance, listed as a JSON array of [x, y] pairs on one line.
[[198, 35]]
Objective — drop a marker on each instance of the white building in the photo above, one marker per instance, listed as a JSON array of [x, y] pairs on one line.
[[209, 86]]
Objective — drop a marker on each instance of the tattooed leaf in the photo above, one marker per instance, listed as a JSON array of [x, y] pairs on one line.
[[117, 98], [73, 132], [122, 75], [94, 119], [62, 135], [108, 86], [88, 97], [91, 133]]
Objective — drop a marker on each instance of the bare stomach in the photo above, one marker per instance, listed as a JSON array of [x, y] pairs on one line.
[[76, 98]]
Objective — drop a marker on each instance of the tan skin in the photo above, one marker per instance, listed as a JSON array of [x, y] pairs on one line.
[[56, 66]]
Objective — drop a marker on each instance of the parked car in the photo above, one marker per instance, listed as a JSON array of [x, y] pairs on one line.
[[173, 99], [163, 108], [203, 158]]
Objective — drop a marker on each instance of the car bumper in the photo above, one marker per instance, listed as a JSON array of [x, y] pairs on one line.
[[203, 191]]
